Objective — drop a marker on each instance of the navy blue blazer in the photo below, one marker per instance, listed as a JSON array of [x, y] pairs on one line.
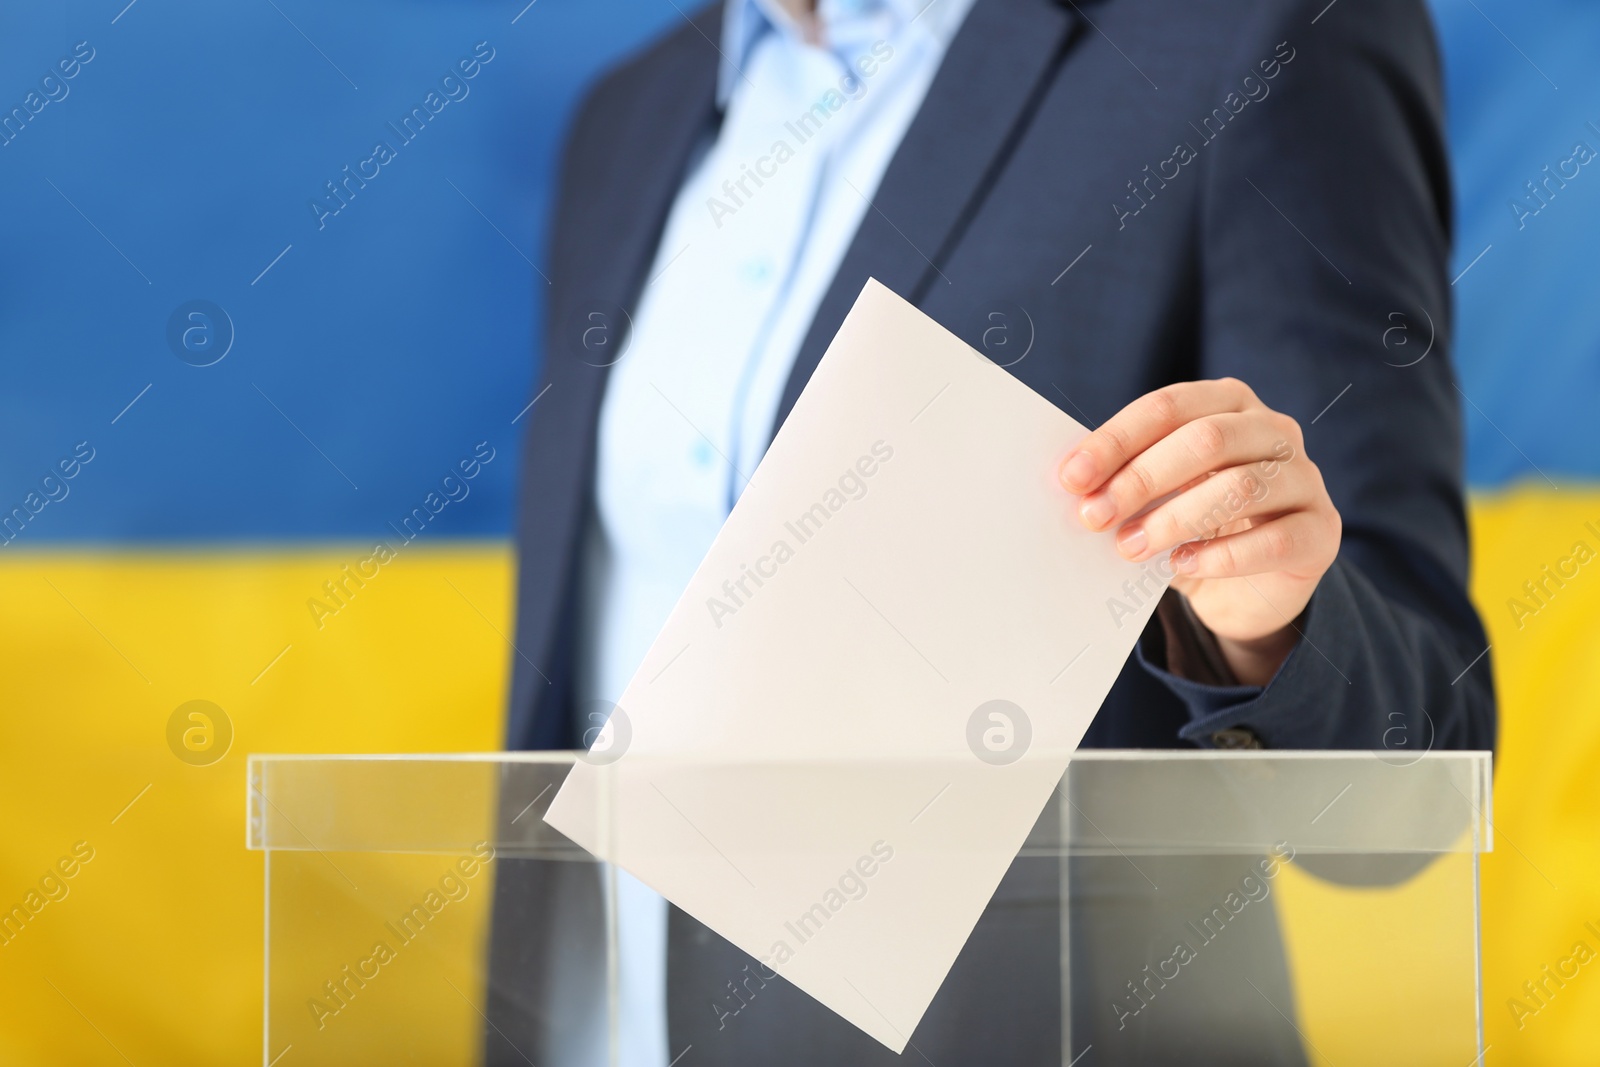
[[1240, 187]]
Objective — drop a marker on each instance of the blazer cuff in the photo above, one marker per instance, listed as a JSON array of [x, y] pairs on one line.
[[1218, 714], [1226, 714]]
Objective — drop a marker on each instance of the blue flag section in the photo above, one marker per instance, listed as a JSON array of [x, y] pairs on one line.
[[1523, 92], [277, 264]]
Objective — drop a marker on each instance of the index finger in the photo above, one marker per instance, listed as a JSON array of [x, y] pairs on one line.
[[1146, 421]]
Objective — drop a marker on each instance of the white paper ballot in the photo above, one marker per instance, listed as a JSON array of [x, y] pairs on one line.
[[869, 690]]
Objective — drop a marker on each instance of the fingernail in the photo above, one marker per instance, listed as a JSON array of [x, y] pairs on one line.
[[1131, 541], [1184, 560], [1097, 511], [1078, 471]]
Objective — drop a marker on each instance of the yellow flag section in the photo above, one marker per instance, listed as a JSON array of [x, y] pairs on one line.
[[1536, 579], [151, 947]]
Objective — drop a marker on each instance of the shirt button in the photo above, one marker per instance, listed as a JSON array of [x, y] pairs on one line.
[[757, 271], [1236, 737]]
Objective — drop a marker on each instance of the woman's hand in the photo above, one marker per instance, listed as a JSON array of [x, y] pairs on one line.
[[1256, 526]]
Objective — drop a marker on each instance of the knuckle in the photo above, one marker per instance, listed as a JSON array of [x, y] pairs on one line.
[[1118, 440], [1136, 483], [1246, 485], [1323, 533], [1208, 439], [1219, 509], [1166, 527], [1224, 561], [1240, 391], [1164, 408], [1308, 484], [1277, 542]]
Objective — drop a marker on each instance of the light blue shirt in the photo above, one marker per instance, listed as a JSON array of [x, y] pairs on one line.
[[751, 245]]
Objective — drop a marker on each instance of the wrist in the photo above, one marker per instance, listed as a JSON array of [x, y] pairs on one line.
[[1256, 661]]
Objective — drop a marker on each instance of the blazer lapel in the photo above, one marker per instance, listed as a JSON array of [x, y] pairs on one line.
[[628, 202], [1000, 59]]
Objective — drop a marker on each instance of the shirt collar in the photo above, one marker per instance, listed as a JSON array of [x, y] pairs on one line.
[[744, 22]]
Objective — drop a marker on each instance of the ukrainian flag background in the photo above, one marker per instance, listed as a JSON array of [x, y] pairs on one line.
[[1523, 87], [348, 367]]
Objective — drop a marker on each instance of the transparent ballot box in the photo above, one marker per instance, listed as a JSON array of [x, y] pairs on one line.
[[1228, 907]]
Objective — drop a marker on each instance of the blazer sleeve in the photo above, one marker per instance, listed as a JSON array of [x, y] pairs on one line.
[[1323, 229]]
